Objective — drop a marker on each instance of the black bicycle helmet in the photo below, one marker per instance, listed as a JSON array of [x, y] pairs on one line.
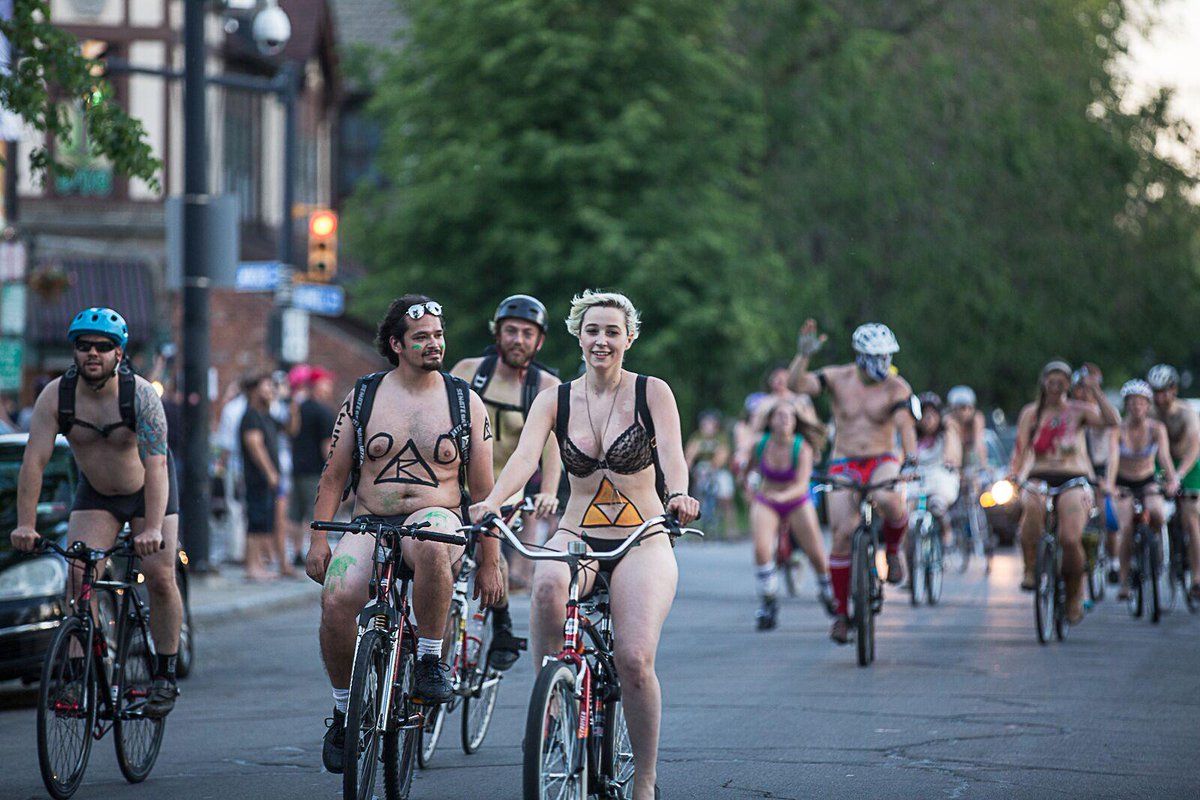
[[521, 306]]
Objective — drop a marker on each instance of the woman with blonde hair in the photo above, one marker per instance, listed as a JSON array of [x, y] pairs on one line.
[[619, 435]]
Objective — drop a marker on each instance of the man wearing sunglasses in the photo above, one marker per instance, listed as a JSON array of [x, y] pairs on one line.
[[415, 446], [117, 430]]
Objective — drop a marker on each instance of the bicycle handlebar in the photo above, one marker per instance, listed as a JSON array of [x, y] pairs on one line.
[[81, 552], [484, 526], [378, 527]]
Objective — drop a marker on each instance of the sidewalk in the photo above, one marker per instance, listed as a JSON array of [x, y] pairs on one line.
[[228, 594]]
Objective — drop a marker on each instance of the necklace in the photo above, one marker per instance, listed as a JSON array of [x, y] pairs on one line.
[[587, 401]]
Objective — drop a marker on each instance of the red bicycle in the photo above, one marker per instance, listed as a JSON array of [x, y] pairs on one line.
[[576, 741]]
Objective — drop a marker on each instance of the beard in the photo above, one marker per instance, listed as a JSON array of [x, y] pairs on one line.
[[432, 364], [515, 359], [85, 373]]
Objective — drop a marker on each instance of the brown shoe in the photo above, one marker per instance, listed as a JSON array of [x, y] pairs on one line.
[[840, 632], [895, 568]]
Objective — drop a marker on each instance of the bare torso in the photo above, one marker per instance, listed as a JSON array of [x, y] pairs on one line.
[[1059, 445], [411, 462], [1137, 451], [507, 422], [111, 464], [1177, 420], [864, 413]]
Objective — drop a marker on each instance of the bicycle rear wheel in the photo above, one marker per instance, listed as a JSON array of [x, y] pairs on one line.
[[864, 617], [484, 681], [403, 740], [555, 757], [1043, 595], [67, 700], [362, 716], [1097, 564], [138, 737], [617, 752]]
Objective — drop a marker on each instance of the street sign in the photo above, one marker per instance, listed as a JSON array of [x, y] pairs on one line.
[[319, 298], [11, 351], [12, 309], [259, 276]]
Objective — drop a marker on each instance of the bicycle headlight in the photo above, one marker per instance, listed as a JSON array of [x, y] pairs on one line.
[[1002, 492], [40, 577]]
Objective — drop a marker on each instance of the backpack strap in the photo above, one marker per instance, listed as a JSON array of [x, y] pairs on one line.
[[66, 399], [484, 372], [126, 386], [563, 417], [642, 411], [360, 412], [459, 395], [761, 447], [529, 390], [797, 443]]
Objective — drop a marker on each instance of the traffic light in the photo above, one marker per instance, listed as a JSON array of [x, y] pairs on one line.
[[322, 245]]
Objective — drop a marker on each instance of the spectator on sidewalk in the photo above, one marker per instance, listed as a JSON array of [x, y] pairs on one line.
[[287, 417], [231, 545], [310, 448], [259, 437]]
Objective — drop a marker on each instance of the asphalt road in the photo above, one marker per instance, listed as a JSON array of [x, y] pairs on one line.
[[962, 702]]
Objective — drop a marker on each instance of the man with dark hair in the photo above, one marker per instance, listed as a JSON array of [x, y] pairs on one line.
[[115, 425], [409, 441], [508, 379], [310, 447], [259, 437]]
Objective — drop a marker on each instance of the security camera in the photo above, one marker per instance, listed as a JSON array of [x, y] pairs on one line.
[[272, 29]]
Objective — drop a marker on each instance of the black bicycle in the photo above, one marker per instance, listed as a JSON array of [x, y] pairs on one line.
[[381, 709], [1050, 588], [576, 740], [97, 675], [467, 645], [1151, 588], [866, 587]]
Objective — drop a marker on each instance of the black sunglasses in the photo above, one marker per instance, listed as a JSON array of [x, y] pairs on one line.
[[101, 347]]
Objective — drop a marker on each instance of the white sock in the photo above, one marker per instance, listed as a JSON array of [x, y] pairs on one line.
[[428, 646], [340, 698], [767, 579]]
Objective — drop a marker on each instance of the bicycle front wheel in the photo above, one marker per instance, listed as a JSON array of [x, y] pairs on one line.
[[1043, 596], [617, 752], [484, 682], [66, 715], [138, 737], [916, 567], [362, 716], [555, 760], [1163, 557], [403, 739], [864, 616], [933, 566]]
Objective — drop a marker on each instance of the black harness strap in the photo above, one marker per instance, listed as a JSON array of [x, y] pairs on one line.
[[360, 411], [126, 386], [642, 411]]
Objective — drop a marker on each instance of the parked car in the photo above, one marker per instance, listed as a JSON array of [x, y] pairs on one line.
[[33, 588]]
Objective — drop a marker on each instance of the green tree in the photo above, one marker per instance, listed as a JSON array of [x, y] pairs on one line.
[[967, 172], [47, 69], [547, 146]]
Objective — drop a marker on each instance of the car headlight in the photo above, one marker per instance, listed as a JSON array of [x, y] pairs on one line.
[[39, 577]]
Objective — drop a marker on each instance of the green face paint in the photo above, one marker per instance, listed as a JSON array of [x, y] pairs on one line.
[[337, 571], [416, 347]]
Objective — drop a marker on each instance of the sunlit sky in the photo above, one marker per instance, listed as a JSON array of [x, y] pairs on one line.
[[1170, 56]]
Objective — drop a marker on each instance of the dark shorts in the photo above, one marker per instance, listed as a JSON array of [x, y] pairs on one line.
[[125, 507], [260, 510], [1138, 487], [1054, 479]]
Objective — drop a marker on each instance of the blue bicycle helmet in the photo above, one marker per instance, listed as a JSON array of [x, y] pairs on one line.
[[102, 321]]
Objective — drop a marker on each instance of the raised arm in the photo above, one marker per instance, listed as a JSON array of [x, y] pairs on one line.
[[152, 449], [43, 427], [808, 343]]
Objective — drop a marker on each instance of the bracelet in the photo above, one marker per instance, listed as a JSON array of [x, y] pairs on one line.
[[672, 496]]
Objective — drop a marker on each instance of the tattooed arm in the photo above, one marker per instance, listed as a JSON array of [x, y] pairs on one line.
[[152, 449], [329, 491]]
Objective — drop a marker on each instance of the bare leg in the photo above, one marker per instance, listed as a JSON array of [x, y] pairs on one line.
[[1033, 519], [643, 588], [1125, 520], [343, 596], [166, 605], [548, 601], [1072, 515], [433, 564], [807, 530], [764, 530]]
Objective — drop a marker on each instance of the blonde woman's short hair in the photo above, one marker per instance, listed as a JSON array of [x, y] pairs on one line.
[[596, 299]]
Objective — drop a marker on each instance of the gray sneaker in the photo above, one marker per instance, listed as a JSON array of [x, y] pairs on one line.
[[431, 683], [161, 699]]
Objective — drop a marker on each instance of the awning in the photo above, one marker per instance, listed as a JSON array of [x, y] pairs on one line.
[[121, 285]]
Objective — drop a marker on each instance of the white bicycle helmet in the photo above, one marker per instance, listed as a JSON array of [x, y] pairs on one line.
[[875, 339], [960, 396], [1162, 376], [1137, 388]]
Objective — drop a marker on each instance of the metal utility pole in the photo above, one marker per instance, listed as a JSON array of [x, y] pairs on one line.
[[194, 487]]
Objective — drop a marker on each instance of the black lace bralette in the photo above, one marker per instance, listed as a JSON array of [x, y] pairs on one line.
[[631, 452]]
